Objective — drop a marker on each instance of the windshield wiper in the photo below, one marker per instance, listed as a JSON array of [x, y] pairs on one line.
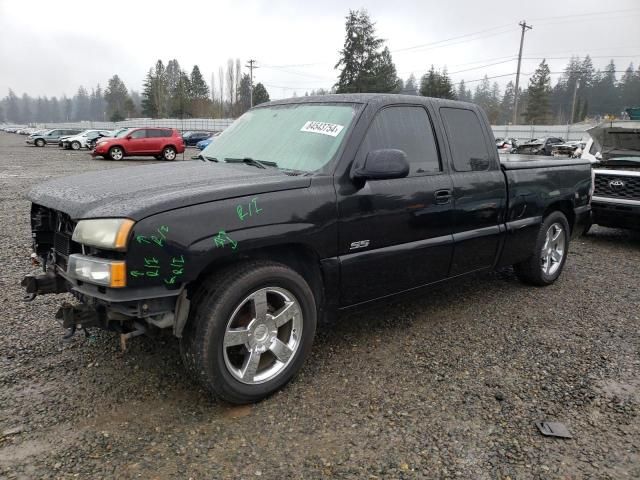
[[204, 159], [252, 161]]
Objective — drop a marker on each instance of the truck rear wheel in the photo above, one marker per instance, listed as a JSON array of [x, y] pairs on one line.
[[550, 252], [250, 329]]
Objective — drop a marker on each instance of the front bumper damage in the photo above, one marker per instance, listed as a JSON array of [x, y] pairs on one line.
[[129, 311]]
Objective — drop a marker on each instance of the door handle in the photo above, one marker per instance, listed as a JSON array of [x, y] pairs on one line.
[[442, 196]]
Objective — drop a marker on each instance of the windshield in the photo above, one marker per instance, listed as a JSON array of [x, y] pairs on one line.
[[302, 137]]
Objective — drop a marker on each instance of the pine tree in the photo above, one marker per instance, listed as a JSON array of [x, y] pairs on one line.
[[117, 98], [199, 88], [411, 86], [539, 93], [363, 68], [155, 93], [149, 106], [436, 84], [462, 93], [82, 105], [506, 105], [260, 94], [172, 73], [244, 94], [630, 87], [181, 97]]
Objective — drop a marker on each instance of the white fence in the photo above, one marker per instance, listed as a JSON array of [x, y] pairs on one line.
[[521, 132], [207, 124], [576, 131]]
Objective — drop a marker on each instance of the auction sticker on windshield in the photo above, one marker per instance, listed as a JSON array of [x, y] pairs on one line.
[[324, 128]]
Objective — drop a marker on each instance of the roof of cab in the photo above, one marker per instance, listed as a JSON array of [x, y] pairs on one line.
[[372, 98]]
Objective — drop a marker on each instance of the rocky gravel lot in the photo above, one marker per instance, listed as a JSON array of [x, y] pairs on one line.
[[447, 385]]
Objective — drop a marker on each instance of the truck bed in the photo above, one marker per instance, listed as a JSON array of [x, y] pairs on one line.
[[514, 161]]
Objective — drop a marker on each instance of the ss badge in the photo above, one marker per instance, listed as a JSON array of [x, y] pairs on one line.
[[359, 244]]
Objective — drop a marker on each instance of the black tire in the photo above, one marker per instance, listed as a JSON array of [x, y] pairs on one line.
[[75, 145], [532, 271], [169, 154], [213, 305], [116, 153], [39, 143]]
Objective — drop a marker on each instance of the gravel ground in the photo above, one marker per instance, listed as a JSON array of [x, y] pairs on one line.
[[444, 386]]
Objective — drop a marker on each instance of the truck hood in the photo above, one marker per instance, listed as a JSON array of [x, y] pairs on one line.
[[617, 139], [138, 192]]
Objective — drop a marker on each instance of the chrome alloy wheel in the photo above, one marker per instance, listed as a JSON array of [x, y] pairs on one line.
[[262, 335], [553, 249], [116, 153], [169, 154]]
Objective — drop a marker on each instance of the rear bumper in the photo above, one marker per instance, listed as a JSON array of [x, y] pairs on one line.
[[616, 212]]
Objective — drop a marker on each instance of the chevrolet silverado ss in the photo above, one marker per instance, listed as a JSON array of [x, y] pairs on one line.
[[301, 208]]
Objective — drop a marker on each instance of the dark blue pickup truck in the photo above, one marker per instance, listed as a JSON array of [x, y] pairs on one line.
[[301, 208]]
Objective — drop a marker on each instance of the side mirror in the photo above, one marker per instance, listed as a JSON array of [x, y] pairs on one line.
[[129, 137], [381, 164]]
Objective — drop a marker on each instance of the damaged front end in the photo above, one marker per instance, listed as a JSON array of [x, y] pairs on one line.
[[95, 275]]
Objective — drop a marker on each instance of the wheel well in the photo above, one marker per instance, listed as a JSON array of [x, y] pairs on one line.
[[167, 146], [565, 207], [119, 146], [298, 257]]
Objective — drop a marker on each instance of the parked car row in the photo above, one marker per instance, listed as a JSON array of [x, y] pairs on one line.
[[21, 130], [161, 143]]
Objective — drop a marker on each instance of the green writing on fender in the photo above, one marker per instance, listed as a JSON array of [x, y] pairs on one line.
[[252, 209], [223, 239], [158, 239]]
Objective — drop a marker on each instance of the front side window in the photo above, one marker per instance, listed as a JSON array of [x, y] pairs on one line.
[[302, 137], [467, 140], [138, 134], [405, 128]]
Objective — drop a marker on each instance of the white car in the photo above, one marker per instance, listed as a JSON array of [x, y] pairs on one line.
[[83, 139]]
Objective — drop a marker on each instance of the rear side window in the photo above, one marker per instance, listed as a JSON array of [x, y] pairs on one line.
[[156, 133], [407, 129], [467, 140]]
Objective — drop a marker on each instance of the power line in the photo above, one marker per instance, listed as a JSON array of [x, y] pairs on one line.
[[602, 13], [414, 47]]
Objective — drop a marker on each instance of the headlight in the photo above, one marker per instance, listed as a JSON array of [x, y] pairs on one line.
[[110, 273], [100, 143], [109, 233]]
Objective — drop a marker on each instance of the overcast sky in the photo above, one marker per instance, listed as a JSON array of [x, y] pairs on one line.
[[50, 48]]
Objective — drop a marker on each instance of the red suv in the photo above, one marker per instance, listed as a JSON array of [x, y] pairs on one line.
[[162, 143]]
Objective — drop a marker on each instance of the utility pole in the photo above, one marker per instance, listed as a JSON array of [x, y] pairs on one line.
[[525, 27], [251, 65], [573, 104]]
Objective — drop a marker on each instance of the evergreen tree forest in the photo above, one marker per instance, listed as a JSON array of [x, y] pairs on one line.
[[365, 64]]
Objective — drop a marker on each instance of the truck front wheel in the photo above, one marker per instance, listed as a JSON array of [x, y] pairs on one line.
[[250, 329], [550, 252]]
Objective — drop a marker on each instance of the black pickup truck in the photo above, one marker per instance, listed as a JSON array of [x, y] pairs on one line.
[[301, 208]]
